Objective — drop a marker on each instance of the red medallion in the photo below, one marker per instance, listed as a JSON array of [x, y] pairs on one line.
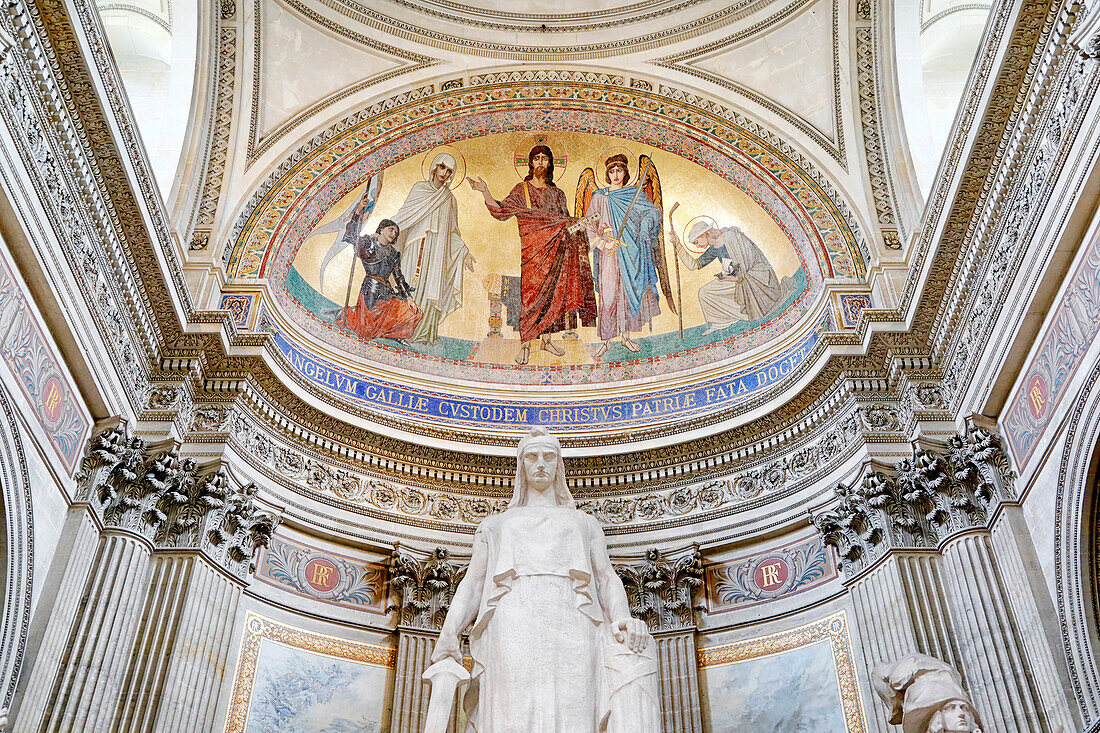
[[771, 574], [321, 574], [1037, 397], [53, 399]]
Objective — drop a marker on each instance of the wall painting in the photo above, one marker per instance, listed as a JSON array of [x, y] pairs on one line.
[[797, 681], [296, 681]]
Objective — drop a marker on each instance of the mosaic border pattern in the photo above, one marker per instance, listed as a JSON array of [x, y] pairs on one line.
[[834, 628], [257, 628]]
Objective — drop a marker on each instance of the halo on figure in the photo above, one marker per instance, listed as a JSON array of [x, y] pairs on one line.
[[520, 161], [688, 244], [601, 162], [460, 160]]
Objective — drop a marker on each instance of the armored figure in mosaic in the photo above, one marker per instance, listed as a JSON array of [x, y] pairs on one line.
[[925, 695], [553, 643]]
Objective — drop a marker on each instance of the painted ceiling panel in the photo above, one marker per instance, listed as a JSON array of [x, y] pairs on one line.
[[792, 65], [302, 64]]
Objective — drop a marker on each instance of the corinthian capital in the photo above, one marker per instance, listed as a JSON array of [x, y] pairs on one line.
[[664, 593]]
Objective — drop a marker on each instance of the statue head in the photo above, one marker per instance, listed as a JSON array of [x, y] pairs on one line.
[[925, 695], [539, 467], [956, 716]]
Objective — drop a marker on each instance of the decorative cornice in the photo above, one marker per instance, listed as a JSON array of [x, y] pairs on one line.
[[923, 501]]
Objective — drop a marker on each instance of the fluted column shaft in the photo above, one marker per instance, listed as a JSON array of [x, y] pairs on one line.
[[995, 664], [179, 659], [679, 676], [900, 609], [1012, 544], [410, 691], [65, 602], [84, 692]]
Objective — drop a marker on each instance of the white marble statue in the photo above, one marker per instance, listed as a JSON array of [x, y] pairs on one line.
[[925, 695], [555, 649]]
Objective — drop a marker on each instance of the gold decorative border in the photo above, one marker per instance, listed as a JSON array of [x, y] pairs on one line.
[[832, 628], [257, 628]]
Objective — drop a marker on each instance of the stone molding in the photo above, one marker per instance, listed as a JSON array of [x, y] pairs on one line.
[[920, 502], [662, 592], [171, 502]]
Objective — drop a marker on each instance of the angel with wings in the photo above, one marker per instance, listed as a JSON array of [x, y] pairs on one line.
[[624, 230]]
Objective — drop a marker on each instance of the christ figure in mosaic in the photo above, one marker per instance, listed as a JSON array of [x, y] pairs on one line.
[[555, 276]]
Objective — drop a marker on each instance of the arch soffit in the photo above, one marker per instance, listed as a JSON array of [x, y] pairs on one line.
[[18, 517], [679, 67], [1074, 570]]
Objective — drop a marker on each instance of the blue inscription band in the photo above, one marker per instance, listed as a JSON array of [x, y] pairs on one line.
[[396, 399]]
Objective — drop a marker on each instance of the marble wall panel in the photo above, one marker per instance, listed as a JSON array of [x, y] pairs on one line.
[[1071, 329], [322, 575], [28, 353], [766, 576]]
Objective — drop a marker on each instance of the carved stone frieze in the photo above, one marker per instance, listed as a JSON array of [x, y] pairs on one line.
[[664, 593], [422, 587], [921, 502], [170, 501]]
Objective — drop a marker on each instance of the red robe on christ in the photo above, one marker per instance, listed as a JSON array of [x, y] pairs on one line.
[[555, 274]]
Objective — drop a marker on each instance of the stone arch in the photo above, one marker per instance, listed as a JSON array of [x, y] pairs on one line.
[[17, 540], [1077, 548]]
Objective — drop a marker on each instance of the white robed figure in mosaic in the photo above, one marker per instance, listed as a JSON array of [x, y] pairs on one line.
[[746, 289], [555, 649], [433, 255]]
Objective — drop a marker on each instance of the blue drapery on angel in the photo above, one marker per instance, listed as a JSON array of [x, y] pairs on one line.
[[637, 271]]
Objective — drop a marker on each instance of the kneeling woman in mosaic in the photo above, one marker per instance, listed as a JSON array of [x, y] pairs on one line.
[[385, 308]]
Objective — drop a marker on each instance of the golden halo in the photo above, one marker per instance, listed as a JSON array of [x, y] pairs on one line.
[[687, 228], [601, 168], [519, 160], [456, 178]]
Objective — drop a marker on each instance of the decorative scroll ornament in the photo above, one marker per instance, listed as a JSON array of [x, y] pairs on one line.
[[171, 502], [663, 593], [423, 588], [923, 501]]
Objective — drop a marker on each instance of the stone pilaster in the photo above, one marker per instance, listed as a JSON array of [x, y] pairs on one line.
[[664, 594], [926, 576], [422, 589], [140, 634]]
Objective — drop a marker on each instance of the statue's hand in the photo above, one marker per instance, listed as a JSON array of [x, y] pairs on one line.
[[447, 647], [633, 632]]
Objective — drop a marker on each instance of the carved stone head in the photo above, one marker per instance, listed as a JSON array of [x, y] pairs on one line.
[[925, 695], [539, 439]]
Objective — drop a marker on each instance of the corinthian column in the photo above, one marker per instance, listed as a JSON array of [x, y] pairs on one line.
[[159, 555], [664, 594], [422, 589], [918, 547]]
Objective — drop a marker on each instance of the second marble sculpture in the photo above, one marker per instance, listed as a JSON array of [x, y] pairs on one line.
[[553, 643]]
